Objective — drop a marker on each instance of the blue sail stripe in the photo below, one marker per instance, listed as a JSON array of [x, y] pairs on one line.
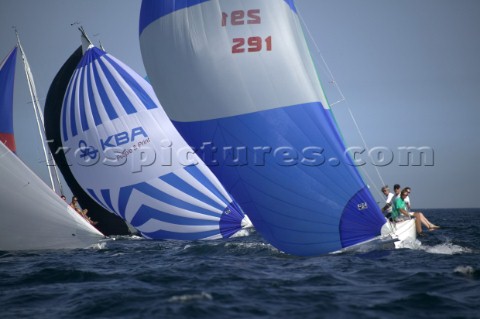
[[185, 187], [133, 84], [181, 236], [117, 89], [81, 106], [197, 174], [107, 104], [152, 10], [145, 213], [291, 5], [91, 97]]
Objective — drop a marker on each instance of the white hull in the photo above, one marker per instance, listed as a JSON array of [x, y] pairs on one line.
[[394, 235], [405, 232], [33, 216]]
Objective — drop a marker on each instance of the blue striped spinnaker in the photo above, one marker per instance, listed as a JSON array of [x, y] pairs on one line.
[[127, 155]]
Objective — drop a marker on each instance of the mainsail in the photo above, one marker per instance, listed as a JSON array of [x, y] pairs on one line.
[[124, 151], [33, 216], [237, 80]]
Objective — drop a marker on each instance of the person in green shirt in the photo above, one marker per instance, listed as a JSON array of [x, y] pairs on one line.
[[399, 208]]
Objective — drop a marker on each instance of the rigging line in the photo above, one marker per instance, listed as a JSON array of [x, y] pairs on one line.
[[51, 167], [343, 99]]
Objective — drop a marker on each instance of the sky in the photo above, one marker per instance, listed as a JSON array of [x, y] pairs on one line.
[[408, 71]]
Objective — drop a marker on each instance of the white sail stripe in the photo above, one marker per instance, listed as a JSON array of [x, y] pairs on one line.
[[144, 84], [102, 112], [86, 99], [174, 192], [137, 199], [112, 96], [153, 225], [189, 179], [75, 90], [76, 95]]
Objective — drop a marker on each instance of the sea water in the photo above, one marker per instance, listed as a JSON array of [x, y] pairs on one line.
[[245, 277]]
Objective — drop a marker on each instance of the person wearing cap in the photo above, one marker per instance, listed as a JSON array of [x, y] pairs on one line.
[[387, 209]]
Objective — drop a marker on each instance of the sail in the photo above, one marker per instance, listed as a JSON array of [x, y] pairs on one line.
[[35, 217], [123, 151], [108, 223], [7, 79], [51, 167], [237, 80]]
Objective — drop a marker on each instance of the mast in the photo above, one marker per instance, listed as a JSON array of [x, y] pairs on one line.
[[86, 42], [39, 118]]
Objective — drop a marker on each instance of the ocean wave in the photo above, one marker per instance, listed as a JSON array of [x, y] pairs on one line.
[[468, 271], [191, 297]]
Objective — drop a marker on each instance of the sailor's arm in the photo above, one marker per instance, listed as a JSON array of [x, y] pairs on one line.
[[404, 212]]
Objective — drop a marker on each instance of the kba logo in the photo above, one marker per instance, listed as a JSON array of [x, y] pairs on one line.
[[122, 138]]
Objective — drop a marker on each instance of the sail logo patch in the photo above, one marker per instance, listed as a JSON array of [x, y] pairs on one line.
[[122, 138], [362, 206], [86, 150]]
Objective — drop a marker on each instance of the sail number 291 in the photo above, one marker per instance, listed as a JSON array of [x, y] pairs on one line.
[[250, 44]]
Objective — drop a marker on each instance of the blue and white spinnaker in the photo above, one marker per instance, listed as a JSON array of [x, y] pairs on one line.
[[237, 80], [125, 152]]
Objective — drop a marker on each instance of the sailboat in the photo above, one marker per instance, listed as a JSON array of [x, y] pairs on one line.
[[33, 215], [108, 223], [238, 82], [122, 154]]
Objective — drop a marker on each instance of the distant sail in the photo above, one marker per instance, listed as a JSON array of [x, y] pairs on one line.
[[108, 223], [7, 80], [237, 80], [128, 156]]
